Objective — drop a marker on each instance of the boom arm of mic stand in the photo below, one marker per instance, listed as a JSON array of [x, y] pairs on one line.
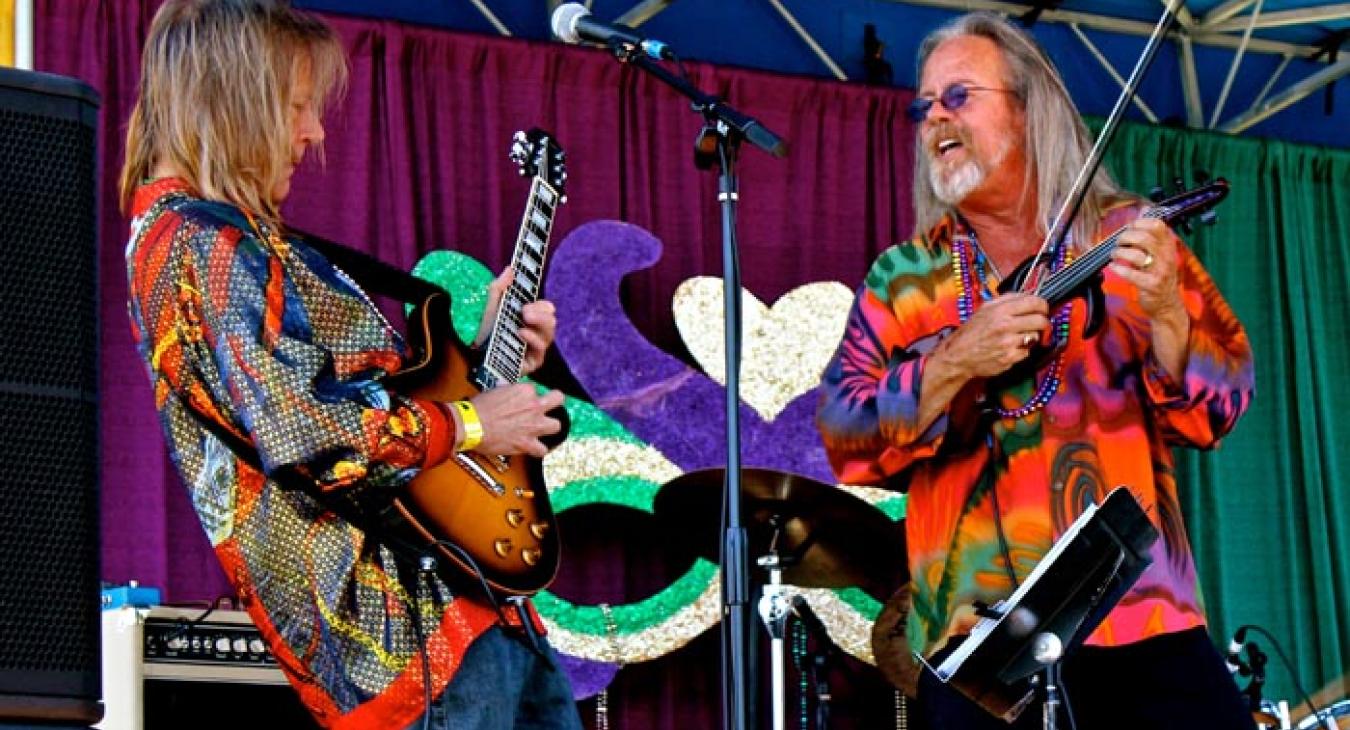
[[745, 126]]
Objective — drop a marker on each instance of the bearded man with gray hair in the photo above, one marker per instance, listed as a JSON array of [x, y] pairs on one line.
[[999, 144]]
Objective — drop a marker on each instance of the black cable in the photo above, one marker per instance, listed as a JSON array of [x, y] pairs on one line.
[[1279, 650], [998, 517], [1068, 706], [425, 566], [182, 626]]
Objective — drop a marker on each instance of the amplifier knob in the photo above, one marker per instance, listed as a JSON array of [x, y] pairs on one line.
[[177, 643], [239, 645], [256, 646], [223, 644]]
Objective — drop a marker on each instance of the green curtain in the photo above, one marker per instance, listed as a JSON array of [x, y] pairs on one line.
[[1269, 509]]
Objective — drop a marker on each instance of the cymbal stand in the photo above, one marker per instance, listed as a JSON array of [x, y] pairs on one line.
[[775, 608]]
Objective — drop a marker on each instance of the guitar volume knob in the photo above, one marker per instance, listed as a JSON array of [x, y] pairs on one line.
[[514, 517], [538, 529], [502, 546], [530, 556]]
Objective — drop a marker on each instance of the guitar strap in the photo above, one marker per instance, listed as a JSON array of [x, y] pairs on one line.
[[371, 273]]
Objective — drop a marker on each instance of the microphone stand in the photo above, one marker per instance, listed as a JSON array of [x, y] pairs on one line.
[[719, 143]]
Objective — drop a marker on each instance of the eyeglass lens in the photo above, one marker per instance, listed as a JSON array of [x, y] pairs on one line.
[[952, 98]]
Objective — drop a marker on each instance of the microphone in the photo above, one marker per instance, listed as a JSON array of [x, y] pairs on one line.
[[573, 23], [1234, 658]]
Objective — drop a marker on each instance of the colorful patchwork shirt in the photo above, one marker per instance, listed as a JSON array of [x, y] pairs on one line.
[[273, 344], [1113, 421]]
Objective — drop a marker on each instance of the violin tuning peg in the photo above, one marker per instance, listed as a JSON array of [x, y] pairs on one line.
[[1156, 194]]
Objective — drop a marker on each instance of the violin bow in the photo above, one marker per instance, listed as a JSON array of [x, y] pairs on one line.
[[1069, 208]]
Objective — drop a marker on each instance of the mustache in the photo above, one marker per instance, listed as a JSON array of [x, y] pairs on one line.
[[931, 135]]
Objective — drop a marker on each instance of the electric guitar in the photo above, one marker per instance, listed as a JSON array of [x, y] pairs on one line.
[[495, 511], [975, 407]]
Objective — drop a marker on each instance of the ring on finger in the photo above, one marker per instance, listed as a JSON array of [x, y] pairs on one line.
[[1028, 339], [1148, 261]]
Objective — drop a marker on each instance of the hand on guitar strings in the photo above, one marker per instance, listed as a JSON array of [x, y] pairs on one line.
[[539, 321], [997, 336], [514, 417]]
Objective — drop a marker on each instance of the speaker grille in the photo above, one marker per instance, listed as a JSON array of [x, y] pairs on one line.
[[49, 496], [50, 294]]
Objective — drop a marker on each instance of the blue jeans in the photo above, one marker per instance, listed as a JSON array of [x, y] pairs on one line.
[[503, 685]]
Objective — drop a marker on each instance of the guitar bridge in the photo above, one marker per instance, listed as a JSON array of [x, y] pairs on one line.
[[477, 471]]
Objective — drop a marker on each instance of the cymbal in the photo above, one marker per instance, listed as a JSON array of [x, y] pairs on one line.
[[890, 646], [826, 537]]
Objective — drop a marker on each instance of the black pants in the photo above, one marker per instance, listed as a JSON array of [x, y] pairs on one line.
[[1170, 682]]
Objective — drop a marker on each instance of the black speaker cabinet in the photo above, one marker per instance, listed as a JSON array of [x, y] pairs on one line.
[[49, 470]]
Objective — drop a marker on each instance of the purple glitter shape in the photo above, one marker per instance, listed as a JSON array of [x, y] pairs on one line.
[[655, 395], [589, 678]]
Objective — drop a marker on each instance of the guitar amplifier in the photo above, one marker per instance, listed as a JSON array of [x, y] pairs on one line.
[[188, 667]]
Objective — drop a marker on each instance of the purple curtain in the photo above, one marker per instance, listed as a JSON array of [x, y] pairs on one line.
[[416, 162]]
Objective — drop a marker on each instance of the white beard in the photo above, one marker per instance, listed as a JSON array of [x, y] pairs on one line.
[[952, 186]]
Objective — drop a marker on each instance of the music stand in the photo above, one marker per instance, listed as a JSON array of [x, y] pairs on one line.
[[1089, 569]]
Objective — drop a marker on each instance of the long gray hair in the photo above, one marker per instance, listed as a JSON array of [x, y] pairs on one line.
[[1056, 140]]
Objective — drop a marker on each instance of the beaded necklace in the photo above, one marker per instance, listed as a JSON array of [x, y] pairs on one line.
[[969, 263]]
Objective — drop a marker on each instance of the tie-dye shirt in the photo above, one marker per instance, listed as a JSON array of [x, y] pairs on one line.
[[272, 343], [1113, 421]]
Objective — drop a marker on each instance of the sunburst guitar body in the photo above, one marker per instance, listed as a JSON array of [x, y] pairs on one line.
[[488, 516]]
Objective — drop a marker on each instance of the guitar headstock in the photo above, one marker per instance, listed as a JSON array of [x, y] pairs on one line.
[[1199, 201], [537, 154]]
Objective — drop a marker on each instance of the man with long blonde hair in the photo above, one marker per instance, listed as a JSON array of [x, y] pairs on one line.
[[266, 363], [998, 146]]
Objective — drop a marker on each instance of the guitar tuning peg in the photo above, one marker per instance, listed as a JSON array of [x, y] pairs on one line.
[[521, 171], [1179, 184], [1156, 194], [1185, 225], [1201, 176], [1209, 218], [519, 136]]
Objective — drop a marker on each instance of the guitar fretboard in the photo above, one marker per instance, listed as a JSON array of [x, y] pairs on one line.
[[505, 349]]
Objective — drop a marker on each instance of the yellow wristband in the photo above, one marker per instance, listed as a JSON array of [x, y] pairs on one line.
[[473, 427]]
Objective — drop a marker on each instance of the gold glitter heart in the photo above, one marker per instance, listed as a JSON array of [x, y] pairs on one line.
[[784, 349]]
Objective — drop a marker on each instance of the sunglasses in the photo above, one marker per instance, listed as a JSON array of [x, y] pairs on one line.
[[953, 97]]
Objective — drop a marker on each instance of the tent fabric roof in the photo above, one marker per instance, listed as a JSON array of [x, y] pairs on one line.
[[1277, 89]]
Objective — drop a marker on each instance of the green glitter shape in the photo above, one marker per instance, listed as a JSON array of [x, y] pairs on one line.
[[467, 280]]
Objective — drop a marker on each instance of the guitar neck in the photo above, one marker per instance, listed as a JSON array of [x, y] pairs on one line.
[[505, 351], [1063, 283]]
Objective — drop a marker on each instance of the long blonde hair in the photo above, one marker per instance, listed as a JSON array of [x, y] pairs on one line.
[[1056, 140], [215, 94]]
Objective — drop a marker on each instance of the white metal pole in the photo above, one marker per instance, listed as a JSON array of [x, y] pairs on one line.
[[23, 34]]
